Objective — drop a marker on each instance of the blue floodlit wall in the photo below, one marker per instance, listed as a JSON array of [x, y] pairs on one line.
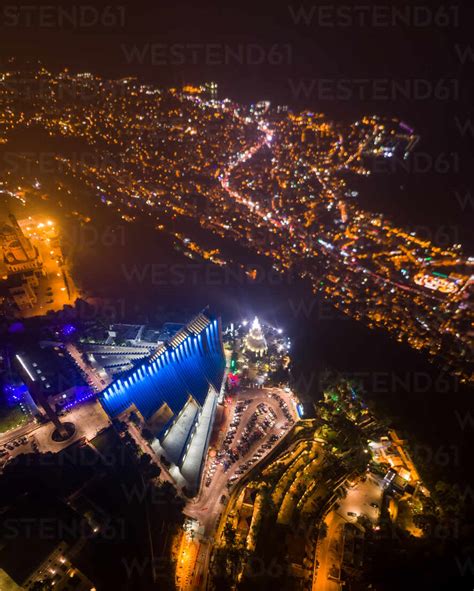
[[180, 370]]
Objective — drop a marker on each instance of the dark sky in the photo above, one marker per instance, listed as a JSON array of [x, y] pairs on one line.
[[340, 40]]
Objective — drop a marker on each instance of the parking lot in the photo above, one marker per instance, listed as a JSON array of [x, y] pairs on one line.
[[257, 421], [15, 447], [250, 435]]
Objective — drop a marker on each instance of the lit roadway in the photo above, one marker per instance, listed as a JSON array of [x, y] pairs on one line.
[[187, 555], [329, 550], [240, 159], [269, 216], [58, 278], [88, 417], [207, 507], [92, 378]]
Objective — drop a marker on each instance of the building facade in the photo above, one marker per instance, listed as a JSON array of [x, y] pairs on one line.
[[175, 394], [21, 265]]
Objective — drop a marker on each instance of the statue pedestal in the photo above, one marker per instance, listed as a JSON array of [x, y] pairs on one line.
[[66, 432]]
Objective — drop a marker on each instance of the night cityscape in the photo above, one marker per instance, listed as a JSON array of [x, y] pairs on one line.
[[236, 297]]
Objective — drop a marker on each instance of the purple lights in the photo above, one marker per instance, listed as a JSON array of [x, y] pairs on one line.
[[15, 393], [68, 329], [16, 328], [78, 398]]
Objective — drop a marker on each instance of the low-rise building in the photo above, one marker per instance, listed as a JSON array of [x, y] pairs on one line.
[[21, 265]]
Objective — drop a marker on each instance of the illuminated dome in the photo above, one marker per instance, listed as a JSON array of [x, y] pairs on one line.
[[255, 341]]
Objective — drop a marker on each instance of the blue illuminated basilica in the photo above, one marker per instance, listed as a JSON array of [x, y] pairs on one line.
[[175, 393]]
